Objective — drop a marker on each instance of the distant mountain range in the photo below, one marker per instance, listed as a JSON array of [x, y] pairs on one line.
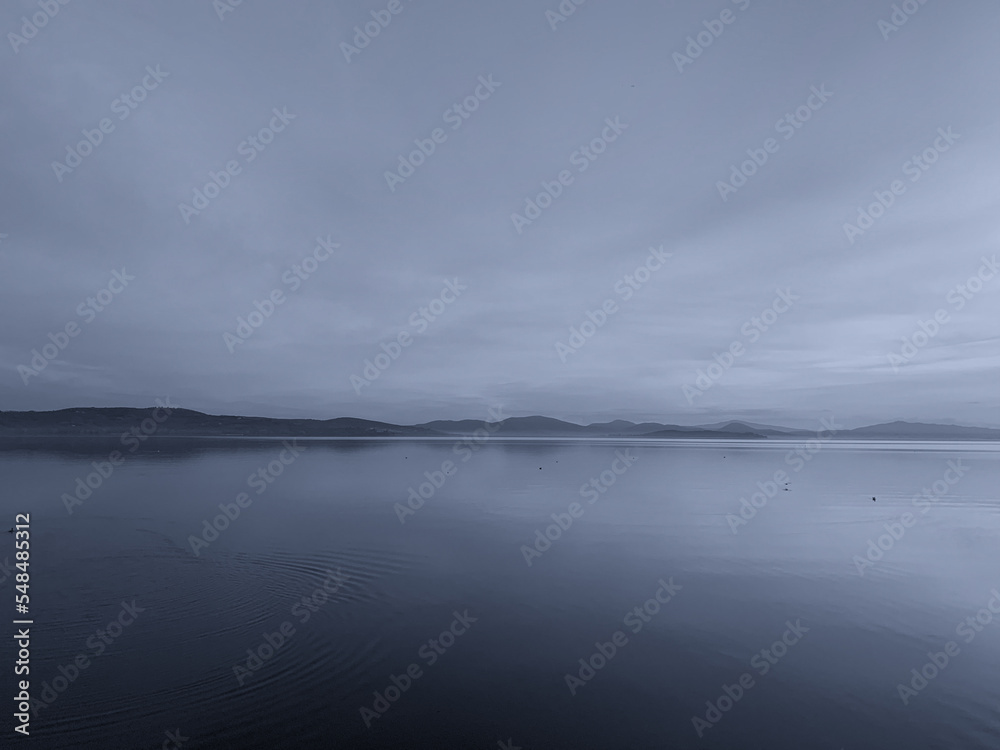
[[112, 422]]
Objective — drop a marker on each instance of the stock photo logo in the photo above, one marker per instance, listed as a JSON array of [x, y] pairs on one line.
[[60, 340], [420, 320], [937, 662], [365, 33], [625, 288], [436, 477], [590, 491], [706, 37], [901, 15], [33, 24], [635, 619], [429, 654], [787, 127], [752, 329], [798, 458], [260, 481], [958, 297], [455, 116], [562, 13], [250, 148], [123, 106], [85, 486], [582, 158], [293, 278], [924, 502], [914, 168], [762, 662]]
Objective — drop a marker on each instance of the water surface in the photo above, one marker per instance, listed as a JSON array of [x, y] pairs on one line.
[[378, 589]]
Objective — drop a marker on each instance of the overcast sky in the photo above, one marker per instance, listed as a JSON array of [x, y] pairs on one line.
[[665, 128]]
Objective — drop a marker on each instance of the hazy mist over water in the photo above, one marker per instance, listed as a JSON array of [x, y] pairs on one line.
[[718, 593]]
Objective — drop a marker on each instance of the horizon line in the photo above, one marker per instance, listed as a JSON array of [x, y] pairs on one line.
[[723, 422]]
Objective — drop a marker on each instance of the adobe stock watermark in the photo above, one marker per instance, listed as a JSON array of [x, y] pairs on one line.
[[625, 287], [714, 28], [762, 662], [302, 610], [957, 296], [123, 106], [85, 487], [896, 530], [250, 148], [363, 36], [6, 571], [901, 14], [753, 329], [787, 127], [98, 644], [420, 320], [635, 619], [455, 115], [222, 7], [591, 491], [563, 11], [175, 740], [88, 310], [31, 26], [798, 458], [260, 480], [936, 663], [914, 168], [436, 478], [293, 278], [430, 652], [581, 158]]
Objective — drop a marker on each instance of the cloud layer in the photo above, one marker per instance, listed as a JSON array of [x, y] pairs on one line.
[[228, 155]]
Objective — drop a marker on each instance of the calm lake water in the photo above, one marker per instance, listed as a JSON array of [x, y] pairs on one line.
[[331, 613]]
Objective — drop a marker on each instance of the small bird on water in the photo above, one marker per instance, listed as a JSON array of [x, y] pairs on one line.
[[873, 499]]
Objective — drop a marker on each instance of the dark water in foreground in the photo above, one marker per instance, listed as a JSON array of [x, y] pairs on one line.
[[772, 624]]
